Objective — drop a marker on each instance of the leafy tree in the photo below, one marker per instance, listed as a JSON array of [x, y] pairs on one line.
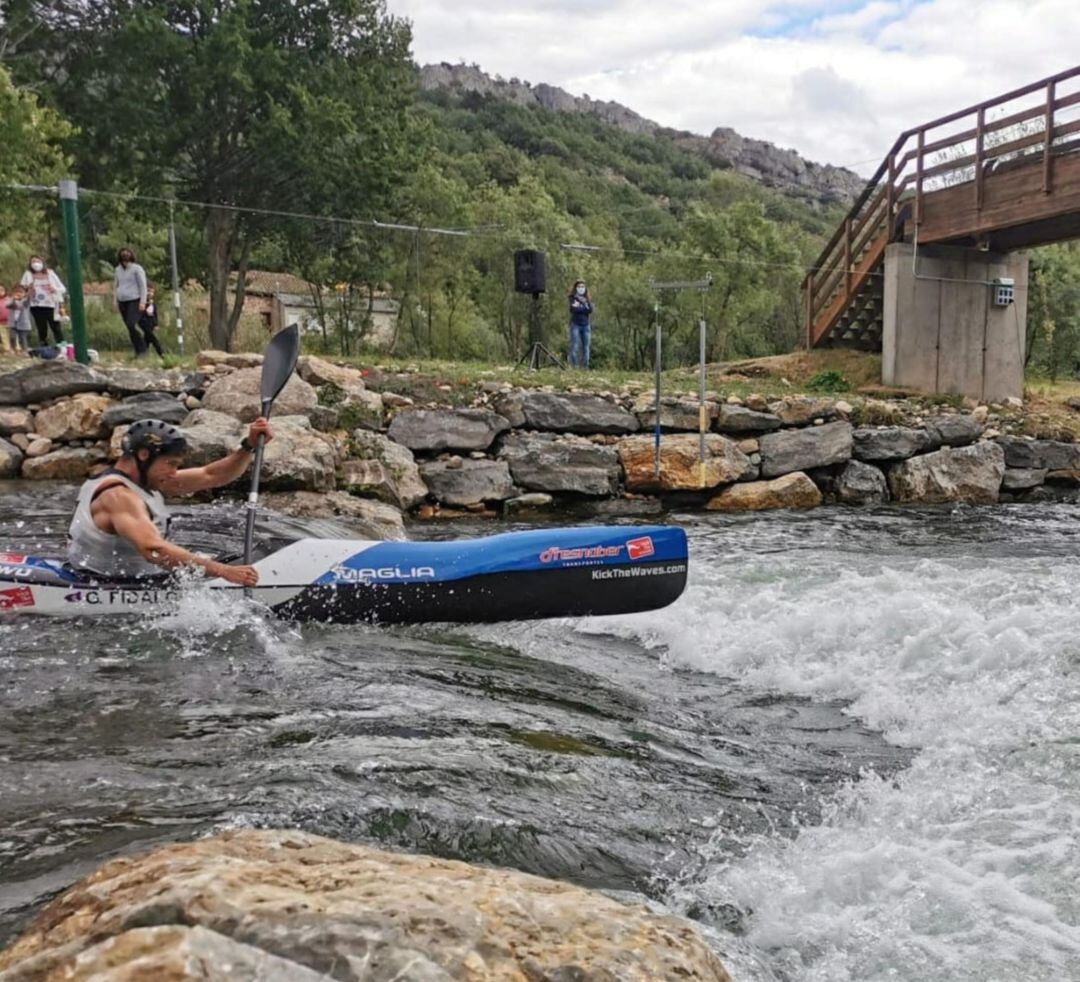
[[243, 104]]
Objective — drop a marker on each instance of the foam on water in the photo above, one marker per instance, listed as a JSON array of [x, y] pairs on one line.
[[965, 865]]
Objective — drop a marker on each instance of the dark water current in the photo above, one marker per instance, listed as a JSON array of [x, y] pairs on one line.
[[665, 755]]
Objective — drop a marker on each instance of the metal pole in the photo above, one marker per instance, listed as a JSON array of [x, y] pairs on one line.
[[69, 208], [657, 430], [703, 422], [175, 282]]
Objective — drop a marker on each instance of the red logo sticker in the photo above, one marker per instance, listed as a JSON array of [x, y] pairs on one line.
[[640, 548], [12, 558], [19, 596]]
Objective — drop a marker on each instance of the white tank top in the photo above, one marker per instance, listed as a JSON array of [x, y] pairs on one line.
[[91, 549]]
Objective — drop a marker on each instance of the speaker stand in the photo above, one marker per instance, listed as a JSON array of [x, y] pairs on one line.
[[538, 351]]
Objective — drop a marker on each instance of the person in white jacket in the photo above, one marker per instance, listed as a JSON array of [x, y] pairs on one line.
[[46, 293], [129, 289]]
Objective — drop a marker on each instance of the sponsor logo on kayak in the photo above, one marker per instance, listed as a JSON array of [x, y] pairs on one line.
[[630, 572], [556, 554], [18, 596], [640, 548], [120, 597], [12, 557], [14, 571], [348, 574]]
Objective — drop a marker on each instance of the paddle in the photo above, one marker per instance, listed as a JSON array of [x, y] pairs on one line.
[[279, 362]]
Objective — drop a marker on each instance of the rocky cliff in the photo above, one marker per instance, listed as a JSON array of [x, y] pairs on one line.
[[724, 149]]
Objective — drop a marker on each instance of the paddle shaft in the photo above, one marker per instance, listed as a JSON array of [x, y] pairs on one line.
[[253, 501]]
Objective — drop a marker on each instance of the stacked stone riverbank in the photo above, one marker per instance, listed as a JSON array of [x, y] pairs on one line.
[[343, 448]]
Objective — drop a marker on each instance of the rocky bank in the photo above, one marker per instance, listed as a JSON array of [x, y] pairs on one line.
[[369, 456], [292, 907]]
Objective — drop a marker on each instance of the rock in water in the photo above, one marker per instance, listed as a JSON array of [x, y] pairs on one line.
[[237, 395], [299, 458], [367, 519], [447, 429], [293, 906], [468, 482], [790, 491], [546, 462], [861, 484], [383, 468], [681, 467], [801, 450], [968, 474], [11, 458]]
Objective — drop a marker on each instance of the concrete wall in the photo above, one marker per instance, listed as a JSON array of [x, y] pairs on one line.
[[941, 331]]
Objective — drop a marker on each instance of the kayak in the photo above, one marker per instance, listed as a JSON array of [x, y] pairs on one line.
[[568, 572]]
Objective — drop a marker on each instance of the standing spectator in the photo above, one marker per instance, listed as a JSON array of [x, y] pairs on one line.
[[581, 308], [148, 322], [5, 320], [129, 289], [18, 308], [46, 294]]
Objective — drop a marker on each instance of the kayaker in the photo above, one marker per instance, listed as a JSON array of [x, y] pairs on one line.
[[121, 523]]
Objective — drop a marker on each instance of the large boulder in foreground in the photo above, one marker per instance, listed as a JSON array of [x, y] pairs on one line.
[[681, 467], [468, 482], [572, 412], [953, 430], [1049, 455], [210, 436], [790, 491], [238, 394], [65, 464], [47, 380], [279, 906], [548, 462], [967, 474], [317, 371], [802, 450], [676, 414], [129, 381], [889, 442], [447, 429]]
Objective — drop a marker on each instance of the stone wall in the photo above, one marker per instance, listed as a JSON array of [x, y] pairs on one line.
[[523, 450]]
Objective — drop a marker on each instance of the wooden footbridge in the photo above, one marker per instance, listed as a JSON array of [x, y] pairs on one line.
[[998, 176]]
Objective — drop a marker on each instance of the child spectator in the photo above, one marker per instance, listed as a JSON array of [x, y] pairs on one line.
[[5, 320], [148, 322], [19, 320]]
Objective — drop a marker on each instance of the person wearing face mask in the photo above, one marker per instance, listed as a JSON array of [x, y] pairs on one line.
[[581, 308], [46, 293], [129, 290]]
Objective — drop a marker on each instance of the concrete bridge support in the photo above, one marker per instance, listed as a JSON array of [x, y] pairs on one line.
[[942, 331]]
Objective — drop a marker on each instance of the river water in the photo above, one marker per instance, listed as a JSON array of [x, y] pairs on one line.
[[851, 751]]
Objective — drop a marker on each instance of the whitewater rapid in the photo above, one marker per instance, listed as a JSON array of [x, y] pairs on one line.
[[957, 634]]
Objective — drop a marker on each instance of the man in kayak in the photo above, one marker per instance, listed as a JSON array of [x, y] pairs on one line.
[[121, 523]]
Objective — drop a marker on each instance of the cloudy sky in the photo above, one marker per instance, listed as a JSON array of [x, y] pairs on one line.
[[838, 81]]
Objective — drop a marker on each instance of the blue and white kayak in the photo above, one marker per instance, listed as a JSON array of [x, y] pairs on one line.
[[568, 572]]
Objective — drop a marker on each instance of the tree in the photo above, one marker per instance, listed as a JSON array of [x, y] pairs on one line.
[[240, 104], [30, 139]]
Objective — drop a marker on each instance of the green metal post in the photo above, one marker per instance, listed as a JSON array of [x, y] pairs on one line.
[[69, 207]]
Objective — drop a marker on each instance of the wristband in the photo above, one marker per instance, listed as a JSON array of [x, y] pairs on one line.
[[247, 446]]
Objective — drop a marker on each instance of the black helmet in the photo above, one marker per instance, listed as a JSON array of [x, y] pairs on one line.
[[156, 436]]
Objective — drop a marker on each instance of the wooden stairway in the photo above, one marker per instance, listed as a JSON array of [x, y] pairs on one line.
[[1006, 175]]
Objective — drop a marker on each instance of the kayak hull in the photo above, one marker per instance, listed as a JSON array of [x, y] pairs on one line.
[[514, 576]]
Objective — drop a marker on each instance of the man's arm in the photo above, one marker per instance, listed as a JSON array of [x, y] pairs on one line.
[[221, 472], [128, 517]]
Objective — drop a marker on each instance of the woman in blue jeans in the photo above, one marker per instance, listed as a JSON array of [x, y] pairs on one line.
[[581, 309]]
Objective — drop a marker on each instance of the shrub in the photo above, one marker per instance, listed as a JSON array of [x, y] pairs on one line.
[[829, 381]]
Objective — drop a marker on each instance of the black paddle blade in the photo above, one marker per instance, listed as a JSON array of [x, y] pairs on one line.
[[279, 363]]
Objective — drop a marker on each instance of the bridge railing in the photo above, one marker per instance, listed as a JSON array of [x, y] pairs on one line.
[[1040, 119]]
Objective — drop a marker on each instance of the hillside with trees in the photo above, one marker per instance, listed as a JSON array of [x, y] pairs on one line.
[[291, 136]]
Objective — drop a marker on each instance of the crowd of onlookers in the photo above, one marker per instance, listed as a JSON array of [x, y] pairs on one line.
[[37, 303]]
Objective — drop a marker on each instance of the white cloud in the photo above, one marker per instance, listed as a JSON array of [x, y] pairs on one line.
[[836, 81]]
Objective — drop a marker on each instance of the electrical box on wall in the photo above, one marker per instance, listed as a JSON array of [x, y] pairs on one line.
[[1003, 288]]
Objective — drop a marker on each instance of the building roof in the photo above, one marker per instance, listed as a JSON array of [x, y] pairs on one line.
[[269, 283]]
